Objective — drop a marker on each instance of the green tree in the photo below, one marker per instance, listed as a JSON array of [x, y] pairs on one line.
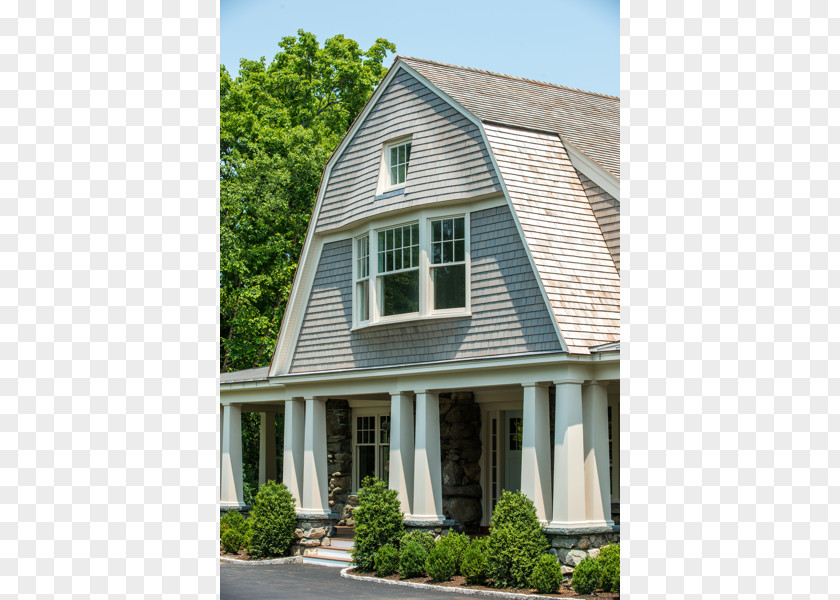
[[280, 122]]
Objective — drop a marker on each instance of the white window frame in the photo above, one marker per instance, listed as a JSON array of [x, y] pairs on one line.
[[378, 413], [385, 184], [426, 291], [363, 280]]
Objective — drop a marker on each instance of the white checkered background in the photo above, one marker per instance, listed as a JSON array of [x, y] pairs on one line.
[[730, 414], [108, 299]]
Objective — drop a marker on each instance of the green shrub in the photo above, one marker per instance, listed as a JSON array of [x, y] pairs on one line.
[[609, 560], [247, 493], [474, 565], [456, 544], [586, 575], [387, 560], [442, 561], [413, 560], [232, 519], [272, 521], [516, 540], [378, 522], [424, 538], [232, 540], [547, 575]]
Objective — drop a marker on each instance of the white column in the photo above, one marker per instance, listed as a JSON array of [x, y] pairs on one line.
[[315, 499], [401, 458], [569, 488], [293, 423], [428, 497], [232, 456], [536, 456], [596, 453], [268, 448]]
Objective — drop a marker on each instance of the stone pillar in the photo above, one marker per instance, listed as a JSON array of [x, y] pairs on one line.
[[268, 448], [315, 499], [536, 451], [293, 448], [615, 434], [569, 492], [401, 477], [596, 453], [428, 497], [232, 495]]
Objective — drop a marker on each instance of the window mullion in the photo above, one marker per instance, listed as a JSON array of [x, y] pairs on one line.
[[425, 273]]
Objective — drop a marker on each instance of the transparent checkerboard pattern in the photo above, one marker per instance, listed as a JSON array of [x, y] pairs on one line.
[[108, 299], [730, 302]]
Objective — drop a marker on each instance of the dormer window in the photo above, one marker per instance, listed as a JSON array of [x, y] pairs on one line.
[[398, 162], [393, 171]]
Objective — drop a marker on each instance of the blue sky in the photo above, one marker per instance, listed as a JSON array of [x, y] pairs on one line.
[[570, 42]]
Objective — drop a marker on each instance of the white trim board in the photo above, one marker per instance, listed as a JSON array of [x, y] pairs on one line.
[[598, 174]]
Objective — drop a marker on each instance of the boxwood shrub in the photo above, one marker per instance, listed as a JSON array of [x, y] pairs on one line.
[[456, 544], [516, 540], [272, 521], [474, 562], [424, 538], [232, 540], [232, 519], [547, 575], [378, 522], [609, 560], [413, 560], [387, 560], [586, 575], [442, 562]]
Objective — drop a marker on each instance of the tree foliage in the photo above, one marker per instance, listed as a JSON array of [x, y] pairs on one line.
[[280, 122]]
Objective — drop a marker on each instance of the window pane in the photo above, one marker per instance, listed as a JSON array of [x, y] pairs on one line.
[[398, 238], [447, 229], [394, 155], [402, 154], [401, 293], [447, 252], [435, 231], [389, 261], [407, 152], [459, 228], [415, 256], [364, 305], [389, 239], [415, 234], [394, 174], [515, 434], [367, 462], [384, 429], [401, 175], [384, 464], [437, 253], [381, 241], [449, 286], [459, 250]]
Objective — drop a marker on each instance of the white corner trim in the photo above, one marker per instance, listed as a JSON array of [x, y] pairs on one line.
[[598, 174]]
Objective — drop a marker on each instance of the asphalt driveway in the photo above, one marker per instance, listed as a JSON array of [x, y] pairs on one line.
[[301, 582]]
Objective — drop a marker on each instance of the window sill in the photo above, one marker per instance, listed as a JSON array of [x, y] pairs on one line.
[[414, 319], [390, 193]]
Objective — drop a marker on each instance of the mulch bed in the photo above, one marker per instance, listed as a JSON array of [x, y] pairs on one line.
[[242, 555], [459, 581]]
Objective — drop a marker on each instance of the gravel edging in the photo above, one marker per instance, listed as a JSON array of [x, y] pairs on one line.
[[442, 588], [271, 561]]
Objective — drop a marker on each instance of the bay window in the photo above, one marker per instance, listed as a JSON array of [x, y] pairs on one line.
[[412, 270]]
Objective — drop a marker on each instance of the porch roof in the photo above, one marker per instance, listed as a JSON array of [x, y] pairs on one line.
[[256, 374]]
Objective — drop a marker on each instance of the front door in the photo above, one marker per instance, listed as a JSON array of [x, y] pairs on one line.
[[512, 444], [372, 438]]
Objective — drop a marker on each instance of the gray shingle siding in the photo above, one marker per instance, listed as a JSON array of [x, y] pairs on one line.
[[508, 312], [449, 159]]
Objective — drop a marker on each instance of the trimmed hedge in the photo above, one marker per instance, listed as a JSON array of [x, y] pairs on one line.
[[456, 544], [232, 540], [413, 560], [474, 562], [378, 522], [516, 541], [272, 521], [424, 538], [387, 560], [586, 576], [547, 574], [609, 559], [442, 562]]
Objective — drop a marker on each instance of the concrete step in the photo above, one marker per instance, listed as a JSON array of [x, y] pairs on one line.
[[345, 544], [311, 560], [338, 554]]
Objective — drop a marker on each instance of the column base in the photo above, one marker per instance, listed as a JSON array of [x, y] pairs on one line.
[[315, 514], [232, 506], [427, 521], [580, 527]]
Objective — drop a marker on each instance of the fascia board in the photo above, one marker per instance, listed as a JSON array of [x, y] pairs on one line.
[[593, 170]]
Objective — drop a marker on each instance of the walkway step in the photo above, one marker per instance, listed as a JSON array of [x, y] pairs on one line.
[[334, 554], [311, 560], [345, 544]]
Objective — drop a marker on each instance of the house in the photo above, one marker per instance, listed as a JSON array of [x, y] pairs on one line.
[[454, 322]]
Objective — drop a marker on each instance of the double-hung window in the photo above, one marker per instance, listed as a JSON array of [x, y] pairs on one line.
[[398, 162], [417, 269]]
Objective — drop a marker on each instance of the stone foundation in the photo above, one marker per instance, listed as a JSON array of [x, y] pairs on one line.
[[436, 528], [572, 546], [312, 533]]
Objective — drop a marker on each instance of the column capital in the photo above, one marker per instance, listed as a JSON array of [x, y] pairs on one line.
[[429, 392], [401, 393], [603, 382], [531, 384], [569, 381]]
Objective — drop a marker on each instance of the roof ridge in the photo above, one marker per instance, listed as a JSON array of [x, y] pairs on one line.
[[556, 85]]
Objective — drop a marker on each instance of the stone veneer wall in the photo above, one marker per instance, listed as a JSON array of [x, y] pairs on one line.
[[339, 453], [571, 548], [460, 451]]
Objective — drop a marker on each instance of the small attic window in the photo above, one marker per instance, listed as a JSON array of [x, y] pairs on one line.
[[396, 155]]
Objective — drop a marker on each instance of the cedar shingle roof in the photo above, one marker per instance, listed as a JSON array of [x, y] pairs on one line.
[[586, 119]]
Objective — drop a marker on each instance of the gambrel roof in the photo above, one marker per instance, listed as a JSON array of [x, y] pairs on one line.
[[569, 222], [551, 150]]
